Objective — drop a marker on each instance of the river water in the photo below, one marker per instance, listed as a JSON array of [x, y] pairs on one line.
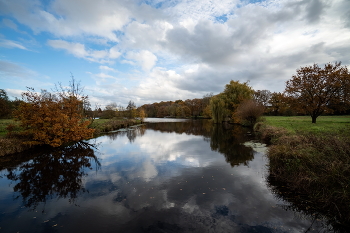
[[174, 176]]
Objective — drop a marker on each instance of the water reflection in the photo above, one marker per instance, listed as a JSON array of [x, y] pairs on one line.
[[316, 213], [131, 133], [160, 177], [226, 139], [52, 173]]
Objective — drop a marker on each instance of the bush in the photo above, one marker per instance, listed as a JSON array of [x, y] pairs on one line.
[[249, 111], [53, 119]]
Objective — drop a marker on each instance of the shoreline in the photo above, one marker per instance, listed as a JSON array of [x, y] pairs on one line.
[[13, 145], [315, 166]]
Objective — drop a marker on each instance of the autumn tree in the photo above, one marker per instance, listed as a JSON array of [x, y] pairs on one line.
[[141, 114], [162, 111], [195, 106], [278, 104], [313, 88], [54, 118], [206, 111]]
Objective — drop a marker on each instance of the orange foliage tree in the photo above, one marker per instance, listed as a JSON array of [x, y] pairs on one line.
[[315, 89], [278, 104], [54, 118]]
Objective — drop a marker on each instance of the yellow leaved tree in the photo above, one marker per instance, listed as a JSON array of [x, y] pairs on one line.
[[54, 118]]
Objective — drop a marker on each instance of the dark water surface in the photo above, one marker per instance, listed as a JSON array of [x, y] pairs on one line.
[[160, 177]]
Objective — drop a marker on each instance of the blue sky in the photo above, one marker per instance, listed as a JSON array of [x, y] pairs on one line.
[[149, 51]]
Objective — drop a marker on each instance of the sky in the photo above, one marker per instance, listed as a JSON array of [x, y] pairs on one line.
[[164, 50]]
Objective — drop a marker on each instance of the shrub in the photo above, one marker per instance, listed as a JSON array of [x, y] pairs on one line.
[[53, 119], [249, 111]]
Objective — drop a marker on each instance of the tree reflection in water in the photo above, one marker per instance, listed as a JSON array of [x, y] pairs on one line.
[[53, 173], [226, 139], [315, 212], [131, 133]]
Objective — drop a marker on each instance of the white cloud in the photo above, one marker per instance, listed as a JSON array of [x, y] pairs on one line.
[[14, 93], [11, 44], [144, 58], [79, 50], [107, 68], [114, 52], [185, 49], [71, 18], [9, 23], [76, 49]]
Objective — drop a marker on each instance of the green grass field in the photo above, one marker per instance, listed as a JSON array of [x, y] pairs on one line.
[[98, 122], [324, 124]]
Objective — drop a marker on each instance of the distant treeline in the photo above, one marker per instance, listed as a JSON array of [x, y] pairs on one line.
[[312, 91]]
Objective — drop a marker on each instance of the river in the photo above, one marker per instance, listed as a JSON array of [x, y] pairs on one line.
[[170, 176]]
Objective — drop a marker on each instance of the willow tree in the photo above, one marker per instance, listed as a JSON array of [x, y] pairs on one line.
[[218, 108], [234, 94], [54, 118], [314, 89]]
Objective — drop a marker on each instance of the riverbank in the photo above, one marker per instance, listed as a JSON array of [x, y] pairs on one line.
[[107, 125], [312, 160], [11, 145]]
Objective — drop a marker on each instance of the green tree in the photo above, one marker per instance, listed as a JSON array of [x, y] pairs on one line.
[[313, 89], [236, 92], [218, 108]]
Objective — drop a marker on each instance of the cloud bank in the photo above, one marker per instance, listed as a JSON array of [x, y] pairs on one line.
[[168, 50]]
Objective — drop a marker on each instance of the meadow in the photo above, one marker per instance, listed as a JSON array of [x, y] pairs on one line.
[[324, 124]]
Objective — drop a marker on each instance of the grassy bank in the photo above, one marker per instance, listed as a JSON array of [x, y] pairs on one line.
[[106, 125], [313, 160], [14, 145], [302, 124]]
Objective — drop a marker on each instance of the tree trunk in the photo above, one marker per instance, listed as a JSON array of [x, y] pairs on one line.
[[314, 119]]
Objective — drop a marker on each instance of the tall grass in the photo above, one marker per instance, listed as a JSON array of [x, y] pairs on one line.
[[313, 160]]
